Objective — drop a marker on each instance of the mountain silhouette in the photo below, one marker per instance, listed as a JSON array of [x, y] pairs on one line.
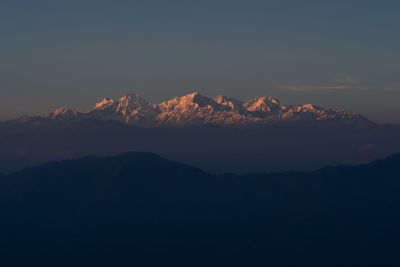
[[139, 209], [297, 145]]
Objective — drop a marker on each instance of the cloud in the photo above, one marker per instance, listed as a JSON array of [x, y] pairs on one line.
[[321, 87], [345, 84], [349, 80], [392, 87]]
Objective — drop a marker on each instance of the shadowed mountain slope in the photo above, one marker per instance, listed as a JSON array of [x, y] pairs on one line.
[[141, 209], [292, 146]]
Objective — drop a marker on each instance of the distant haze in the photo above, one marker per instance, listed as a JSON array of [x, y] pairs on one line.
[[336, 54]]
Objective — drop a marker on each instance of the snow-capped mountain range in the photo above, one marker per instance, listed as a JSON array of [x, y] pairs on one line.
[[195, 109]]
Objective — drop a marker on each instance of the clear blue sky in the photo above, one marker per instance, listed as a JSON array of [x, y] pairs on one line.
[[343, 54]]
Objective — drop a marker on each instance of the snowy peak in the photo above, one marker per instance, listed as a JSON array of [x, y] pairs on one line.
[[262, 104], [131, 102], [201, 100], [126, 103], [195, 109], [186, 103], [228, 102], [130, 108], [62, 113], [106, 102]]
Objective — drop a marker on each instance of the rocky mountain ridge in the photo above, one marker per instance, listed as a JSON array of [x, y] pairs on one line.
[[195, 109]]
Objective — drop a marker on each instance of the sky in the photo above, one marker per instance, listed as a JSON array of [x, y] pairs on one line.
[[336, 54]]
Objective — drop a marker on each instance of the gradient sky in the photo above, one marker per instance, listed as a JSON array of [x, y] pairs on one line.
[[343, 54]]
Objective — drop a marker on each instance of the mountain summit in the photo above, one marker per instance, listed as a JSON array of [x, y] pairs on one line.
[[195, 109]]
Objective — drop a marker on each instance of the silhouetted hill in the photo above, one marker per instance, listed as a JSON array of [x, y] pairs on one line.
[[143, 210], [297, 145]]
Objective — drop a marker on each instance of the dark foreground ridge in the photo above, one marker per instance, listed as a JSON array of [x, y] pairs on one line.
[[297, 145], [138, 209]]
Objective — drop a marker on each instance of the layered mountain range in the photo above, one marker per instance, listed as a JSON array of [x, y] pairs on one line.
[[139, 209], [195, 109], [259, 135]]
